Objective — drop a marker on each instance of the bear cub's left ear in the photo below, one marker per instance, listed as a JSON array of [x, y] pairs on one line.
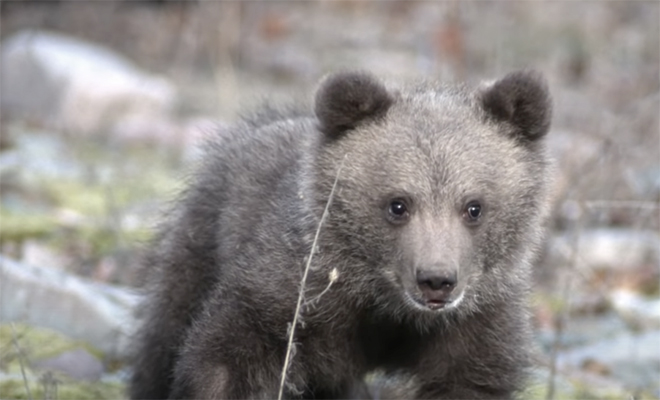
[[522, 99], [346, 99]]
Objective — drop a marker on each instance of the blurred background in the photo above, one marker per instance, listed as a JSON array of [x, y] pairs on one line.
[[103, 104]]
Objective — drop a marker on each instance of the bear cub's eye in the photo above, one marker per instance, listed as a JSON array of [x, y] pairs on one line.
[[398, 210], [472, 211]]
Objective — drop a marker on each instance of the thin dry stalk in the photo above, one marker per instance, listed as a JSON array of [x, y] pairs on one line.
[[332, 277], [644, 205], [560, 321], [50, 385], [562, 316], [292, 328], [19, 352]]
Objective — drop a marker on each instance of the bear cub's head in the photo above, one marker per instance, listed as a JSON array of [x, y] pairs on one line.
[[441, 190]]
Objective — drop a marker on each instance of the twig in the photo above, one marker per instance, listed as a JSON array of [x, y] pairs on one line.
[[645, 205], [292, 328], [50, 385], [20, 361], [332, 276], [562, 317], [560, 321]]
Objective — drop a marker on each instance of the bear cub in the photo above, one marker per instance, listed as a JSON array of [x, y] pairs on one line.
[[419, 267]]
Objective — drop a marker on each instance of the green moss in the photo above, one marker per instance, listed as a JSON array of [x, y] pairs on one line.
[[569, 387], [17, 227], [15, 389], [554, 302], [88, 200], [37, 343]]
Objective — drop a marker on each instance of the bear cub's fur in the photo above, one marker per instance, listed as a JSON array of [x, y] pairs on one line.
[[421, 265]]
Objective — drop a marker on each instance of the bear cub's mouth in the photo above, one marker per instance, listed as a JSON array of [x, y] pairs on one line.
[[434, 302]]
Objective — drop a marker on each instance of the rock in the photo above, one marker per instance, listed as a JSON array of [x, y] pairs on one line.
[[187, 136], [40, 153], [636, 310], [606, 248], [645, 183], [582, 331], [74, 85], [34, 252], [573, 386], [99, 314], [633, 359], [78, 364], [139, 128]]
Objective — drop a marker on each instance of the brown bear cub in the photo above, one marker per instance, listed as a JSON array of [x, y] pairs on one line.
[[421, 267]]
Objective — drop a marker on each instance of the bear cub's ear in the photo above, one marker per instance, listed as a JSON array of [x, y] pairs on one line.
[[346, 99], [521, 99]]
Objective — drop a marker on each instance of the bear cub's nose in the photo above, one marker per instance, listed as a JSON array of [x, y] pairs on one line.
[[436, 284]]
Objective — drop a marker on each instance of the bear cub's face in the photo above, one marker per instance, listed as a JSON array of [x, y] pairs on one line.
[[440, 190]]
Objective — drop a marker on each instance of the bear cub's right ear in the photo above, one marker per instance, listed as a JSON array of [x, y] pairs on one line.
[[346, 99], [522, 100]]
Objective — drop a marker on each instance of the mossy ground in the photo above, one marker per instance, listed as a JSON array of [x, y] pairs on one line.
[[21, 345]]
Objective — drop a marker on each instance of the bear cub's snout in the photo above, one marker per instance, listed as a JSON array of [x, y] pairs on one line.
[[437, 285]]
